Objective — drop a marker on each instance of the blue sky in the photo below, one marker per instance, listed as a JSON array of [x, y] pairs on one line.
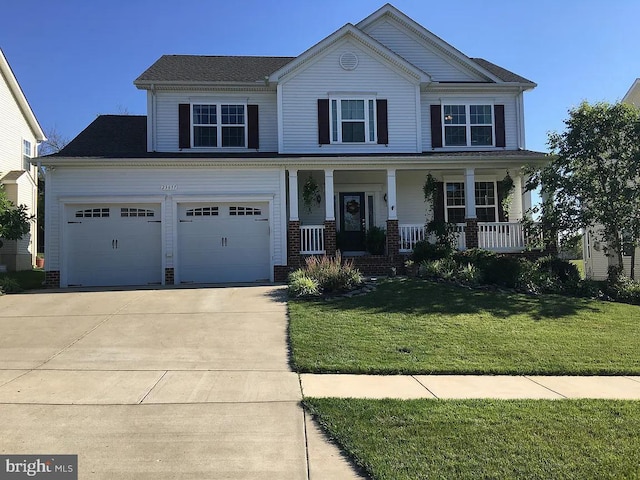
[[76, 59]]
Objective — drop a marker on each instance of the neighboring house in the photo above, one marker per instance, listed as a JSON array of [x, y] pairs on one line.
[[596, 263], [211, 185], [20, 134]]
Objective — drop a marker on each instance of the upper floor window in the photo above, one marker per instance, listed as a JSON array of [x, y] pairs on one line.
[[26, 155], [468, 125], [353, 120], [219, 125]]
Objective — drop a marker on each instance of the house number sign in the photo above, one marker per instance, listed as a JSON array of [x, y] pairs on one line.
[[168, 187]]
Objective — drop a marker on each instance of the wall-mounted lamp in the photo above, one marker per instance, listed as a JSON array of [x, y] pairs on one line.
[[385, 198]]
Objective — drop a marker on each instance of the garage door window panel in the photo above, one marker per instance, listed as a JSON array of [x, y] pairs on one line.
[[93, 213]]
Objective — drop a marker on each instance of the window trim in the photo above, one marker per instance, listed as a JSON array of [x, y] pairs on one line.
[[467, 104], [370, 119], [219, 125], [26, 165]]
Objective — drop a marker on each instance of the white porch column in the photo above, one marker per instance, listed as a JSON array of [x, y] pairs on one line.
[[392, 213], [470, 193], [293, 195], [516, 210], [329, 204]]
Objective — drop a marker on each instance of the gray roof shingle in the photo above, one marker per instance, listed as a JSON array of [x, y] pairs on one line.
[[205, 68], [502, 73]]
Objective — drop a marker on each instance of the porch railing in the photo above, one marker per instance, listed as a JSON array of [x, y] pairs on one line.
[[312, 240], [501, 236], [460, 236], [410, 234]]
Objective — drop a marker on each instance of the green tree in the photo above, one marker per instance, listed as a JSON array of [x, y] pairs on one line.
[[14, 220], [593, 178]]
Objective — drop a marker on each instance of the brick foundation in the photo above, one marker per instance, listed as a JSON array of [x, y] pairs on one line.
[[280, 273], [393, 238], [471, 233], [169, 277], [330, 233], [52, 279], [293, 244], [374, 265]]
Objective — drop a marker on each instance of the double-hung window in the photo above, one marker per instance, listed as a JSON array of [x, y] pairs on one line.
[[353, 120], [467, 125], [486, 204], [26, 155], [219, 125]]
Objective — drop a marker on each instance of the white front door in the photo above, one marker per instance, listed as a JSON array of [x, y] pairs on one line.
[[223, 242], [113, 244]]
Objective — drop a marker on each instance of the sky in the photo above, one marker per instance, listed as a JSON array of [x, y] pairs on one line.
[[76, 59]]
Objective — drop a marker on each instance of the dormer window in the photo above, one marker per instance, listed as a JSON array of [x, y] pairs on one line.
[[219, 125], [353, 120]]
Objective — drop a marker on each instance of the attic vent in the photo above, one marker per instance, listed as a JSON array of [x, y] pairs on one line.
[[348, 61]]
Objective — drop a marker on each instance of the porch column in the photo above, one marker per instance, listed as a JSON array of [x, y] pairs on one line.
[[471, 229], [293, 226], [330, 230], [392, 211], [516, 212], [393, 231], [293, 195]]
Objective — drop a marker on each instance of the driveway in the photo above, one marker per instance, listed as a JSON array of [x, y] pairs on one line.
[[170, 383]]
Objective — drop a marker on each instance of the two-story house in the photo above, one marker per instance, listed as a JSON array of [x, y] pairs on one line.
[[20, 134], [243, 165]]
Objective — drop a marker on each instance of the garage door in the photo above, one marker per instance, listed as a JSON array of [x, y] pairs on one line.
[[113, 245], [223, 242]]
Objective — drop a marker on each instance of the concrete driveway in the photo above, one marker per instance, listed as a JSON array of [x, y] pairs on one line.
[[171, 383]]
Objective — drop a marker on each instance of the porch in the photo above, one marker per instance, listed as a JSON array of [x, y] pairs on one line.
[[333, 209]]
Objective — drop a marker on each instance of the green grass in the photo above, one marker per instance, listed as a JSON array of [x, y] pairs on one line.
[[418, 327], [27, 279], [497, 439]]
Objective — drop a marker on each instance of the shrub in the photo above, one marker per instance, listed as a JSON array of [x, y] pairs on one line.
[[469, 274], [424, 250], [9, 285], [302, 285], [331, 274], [375, 240], [564, 271], [625, 290], [478, 257], [503, 270]]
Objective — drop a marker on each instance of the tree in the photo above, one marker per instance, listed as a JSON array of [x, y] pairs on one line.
[[54, 143], [14, 220], [593, 178]]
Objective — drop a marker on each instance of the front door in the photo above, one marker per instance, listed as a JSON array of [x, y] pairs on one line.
[[352, 221]]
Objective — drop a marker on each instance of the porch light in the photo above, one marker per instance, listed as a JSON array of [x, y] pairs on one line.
[[385, 198]]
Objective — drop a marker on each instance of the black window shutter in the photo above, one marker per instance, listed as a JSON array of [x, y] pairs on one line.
[[436, 126], [184, 125], [438, 201], [252, 125], [383, 124], [502, 217], [500, 131], [323, 121]]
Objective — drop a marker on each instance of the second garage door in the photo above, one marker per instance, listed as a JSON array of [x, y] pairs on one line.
[[223, 242]]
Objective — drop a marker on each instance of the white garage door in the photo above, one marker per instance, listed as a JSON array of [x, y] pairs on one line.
[[113, 245], [223, 242]]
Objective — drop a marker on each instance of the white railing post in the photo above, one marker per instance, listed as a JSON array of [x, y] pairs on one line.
[[501, 236], [312, 240]]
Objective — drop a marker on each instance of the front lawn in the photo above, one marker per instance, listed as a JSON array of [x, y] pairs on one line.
[[471, 439], [418, 327], [25, 279]]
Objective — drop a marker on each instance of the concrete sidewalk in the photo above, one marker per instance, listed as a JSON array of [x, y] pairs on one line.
[[470, 386]]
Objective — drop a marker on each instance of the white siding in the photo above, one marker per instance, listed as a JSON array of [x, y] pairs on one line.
[[301, 92], [197, 182], [410, 48], [167, 117], [411, 205], [510, 113], [596, 263]]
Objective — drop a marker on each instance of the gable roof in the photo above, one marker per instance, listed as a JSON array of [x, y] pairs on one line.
[[633, 95], [109, 136], [206, 68], [14, 86], [502, 73], [369, 42]]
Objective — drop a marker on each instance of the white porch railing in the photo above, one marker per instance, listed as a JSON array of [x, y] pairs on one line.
[[312, 240], [410, 235], [462, 241], [501, 236]]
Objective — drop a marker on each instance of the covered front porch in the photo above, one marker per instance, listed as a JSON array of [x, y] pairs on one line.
[[331, 209]]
